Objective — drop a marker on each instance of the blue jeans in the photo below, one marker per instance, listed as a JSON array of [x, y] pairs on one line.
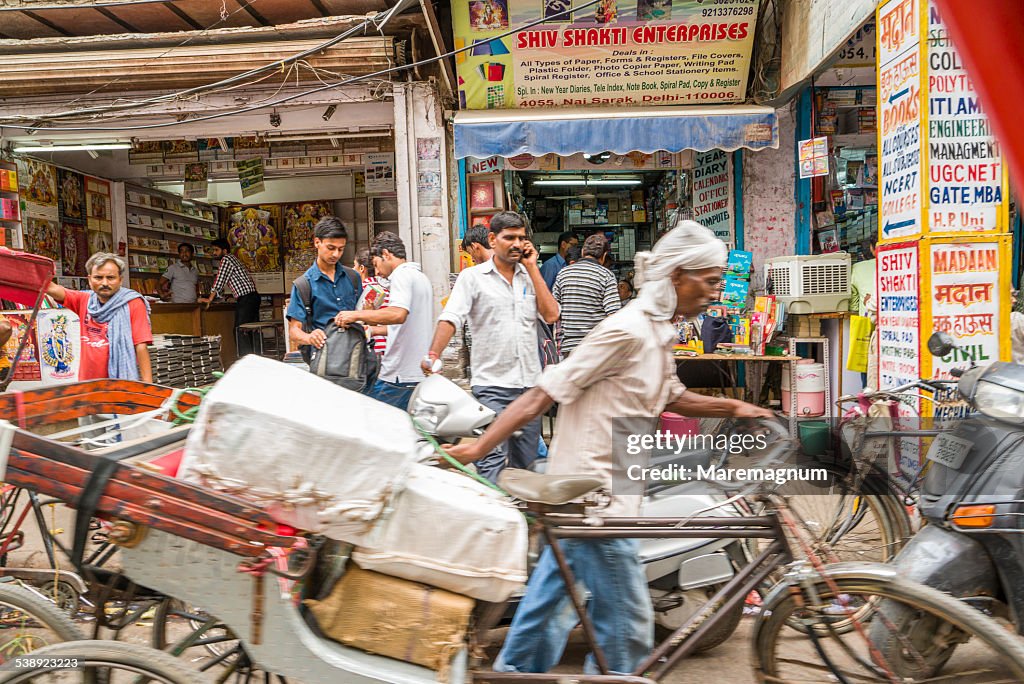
[[619, 606], [396, 394], [520, 451]]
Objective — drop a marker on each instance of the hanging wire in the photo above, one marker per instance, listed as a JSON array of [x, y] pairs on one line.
[[244, 110]]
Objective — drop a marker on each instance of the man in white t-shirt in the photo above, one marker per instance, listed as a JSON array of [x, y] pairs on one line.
[[409, 317]]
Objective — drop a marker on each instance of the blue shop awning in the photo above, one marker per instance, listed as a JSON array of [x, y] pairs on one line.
[[511, 132]]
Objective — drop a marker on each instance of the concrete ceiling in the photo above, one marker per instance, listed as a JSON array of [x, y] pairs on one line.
[[28, 19]]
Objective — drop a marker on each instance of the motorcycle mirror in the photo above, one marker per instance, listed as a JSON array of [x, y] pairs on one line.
[[940, 344]]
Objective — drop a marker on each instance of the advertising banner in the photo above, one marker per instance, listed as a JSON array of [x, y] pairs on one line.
[[712, 193], [899, 339], [965, 167], [612, 53], [968, 283], [900, 114], [900, 344]]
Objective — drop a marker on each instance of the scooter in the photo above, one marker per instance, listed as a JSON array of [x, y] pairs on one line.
[[972, 498], [682, 574]]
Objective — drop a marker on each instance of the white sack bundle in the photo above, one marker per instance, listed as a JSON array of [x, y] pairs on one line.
[[316, 456], [449, 531]]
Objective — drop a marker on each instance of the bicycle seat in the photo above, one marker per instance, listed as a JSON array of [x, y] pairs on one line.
[[552, 490]]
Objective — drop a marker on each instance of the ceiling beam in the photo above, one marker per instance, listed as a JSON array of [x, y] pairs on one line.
[[320, 8], [116, 19], [47, 23], [436, 37], [184, 16], [247, 6]]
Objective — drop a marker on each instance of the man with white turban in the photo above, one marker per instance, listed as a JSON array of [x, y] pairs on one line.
[[623, 369]]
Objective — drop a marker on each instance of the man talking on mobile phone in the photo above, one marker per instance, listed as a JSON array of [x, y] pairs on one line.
[[501, 300]]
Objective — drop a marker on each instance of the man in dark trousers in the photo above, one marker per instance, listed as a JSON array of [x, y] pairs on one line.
[[233, 276]]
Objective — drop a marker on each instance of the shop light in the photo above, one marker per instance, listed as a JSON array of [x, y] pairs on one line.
[[581, 182], [73, 148]]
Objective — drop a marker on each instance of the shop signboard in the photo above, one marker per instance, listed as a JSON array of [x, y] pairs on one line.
[[900, 100], [967, 281], [860, 50], [967, 180], [487, 165], [713, 193], [528, 54], [899, 341]]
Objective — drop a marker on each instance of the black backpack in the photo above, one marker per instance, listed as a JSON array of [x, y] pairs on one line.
[[714, 332], [346, 359]]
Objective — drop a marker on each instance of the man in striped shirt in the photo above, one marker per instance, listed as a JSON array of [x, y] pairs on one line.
[[232, 275], [587, 293]]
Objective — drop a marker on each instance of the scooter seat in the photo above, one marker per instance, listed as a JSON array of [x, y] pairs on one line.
[[553, 490]]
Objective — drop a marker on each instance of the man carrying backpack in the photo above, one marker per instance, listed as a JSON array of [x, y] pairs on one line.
[[329, 287], [409, 317]]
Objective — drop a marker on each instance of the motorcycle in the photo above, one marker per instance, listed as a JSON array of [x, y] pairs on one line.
[[682, 574], [972, 499]]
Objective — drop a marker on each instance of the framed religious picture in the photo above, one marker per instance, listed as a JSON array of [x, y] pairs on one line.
[[482, 196]]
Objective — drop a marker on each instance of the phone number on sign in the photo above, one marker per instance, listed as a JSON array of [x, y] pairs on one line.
[[727, 11], [29, 663]]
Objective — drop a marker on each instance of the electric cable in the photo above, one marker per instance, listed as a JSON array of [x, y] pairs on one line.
[[290, 98], [197, 90], [224, 16]]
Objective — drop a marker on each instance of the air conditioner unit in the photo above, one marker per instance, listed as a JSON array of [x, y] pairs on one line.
[[810, 284]]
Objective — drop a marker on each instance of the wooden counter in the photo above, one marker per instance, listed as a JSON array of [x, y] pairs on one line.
[[195, 319]]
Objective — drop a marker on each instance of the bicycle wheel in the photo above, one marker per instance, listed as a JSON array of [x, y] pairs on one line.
[[866, 524], [913, 633], [204, 642], [29, 622], [110, 662]]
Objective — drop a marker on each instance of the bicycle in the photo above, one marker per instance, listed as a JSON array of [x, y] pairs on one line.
[[28, 622]]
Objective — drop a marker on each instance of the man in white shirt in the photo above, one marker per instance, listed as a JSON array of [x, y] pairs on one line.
[[408, 317], [622, 370], [501, 301], [181, 278]]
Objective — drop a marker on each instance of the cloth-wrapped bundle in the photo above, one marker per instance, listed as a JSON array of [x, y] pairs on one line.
[[316, 456], [452, 532]]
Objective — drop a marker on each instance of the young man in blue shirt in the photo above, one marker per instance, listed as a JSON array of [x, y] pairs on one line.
[[550, 268], [334, 287]]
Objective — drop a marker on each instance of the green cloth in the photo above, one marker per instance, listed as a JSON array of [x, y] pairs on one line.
[[862, 282]]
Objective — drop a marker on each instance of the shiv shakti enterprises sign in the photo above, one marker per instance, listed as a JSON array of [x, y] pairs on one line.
[[613, 53]]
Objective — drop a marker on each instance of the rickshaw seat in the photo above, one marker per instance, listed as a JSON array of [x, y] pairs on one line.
[[552, 490]]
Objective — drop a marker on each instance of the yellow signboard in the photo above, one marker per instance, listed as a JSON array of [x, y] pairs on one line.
[[545, 53]]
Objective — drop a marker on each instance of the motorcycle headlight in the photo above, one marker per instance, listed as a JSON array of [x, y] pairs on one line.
[[428, 416], [999, 402]]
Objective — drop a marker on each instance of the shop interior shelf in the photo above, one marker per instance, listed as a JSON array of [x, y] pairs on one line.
[[159, 252], [169, 211], [162, 231]]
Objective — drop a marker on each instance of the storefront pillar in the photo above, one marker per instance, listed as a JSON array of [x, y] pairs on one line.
[[737, 177], [421, 179], [803, 186]]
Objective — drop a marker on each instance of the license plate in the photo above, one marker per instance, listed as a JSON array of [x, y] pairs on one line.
[[949, 450]]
